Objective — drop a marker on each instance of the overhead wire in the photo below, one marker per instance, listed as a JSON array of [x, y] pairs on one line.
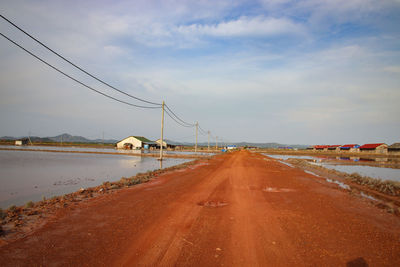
[[74, 79], [178, 122], [176, 116], [202, 131], [76, 66], [168, 110]]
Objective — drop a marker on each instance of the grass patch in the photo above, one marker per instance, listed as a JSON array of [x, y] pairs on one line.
[[29, 205]]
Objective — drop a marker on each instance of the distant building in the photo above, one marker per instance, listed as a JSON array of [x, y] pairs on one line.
[[333, 148], [230, 147], [394, 148], [321, 147], [350, 148], [380, 148], [165, 144], [22, 142], [136, 142]]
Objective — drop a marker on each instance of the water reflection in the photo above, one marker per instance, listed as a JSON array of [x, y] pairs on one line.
[[379, 168], [374, 172], [28, 175]]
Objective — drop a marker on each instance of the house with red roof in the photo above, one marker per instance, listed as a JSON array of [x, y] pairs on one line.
[[334, 148], [394, 148], [380, 148], [321, 147], [350, 148]]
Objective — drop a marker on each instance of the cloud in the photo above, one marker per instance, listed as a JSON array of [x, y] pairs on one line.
[[392, 69], [245, 26]]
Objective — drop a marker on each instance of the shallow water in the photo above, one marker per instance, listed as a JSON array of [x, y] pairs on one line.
[[285, 157], [107, 150], [379, 172], [30, 175], [374, 172]]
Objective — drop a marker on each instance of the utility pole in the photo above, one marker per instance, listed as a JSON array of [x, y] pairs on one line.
[[208, 149], [162, 132], [216, 143], [102, 137], [29, 137], [61, 139], [197, 128]]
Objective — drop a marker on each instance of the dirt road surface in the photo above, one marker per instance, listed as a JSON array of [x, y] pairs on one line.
[[238, 209]]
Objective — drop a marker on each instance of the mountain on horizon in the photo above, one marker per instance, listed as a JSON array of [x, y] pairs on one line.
[[68, 138], [61, 138]]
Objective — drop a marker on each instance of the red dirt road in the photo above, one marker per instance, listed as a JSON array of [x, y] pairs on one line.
[[240, 209]]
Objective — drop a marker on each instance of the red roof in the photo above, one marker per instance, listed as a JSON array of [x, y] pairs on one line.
[[333, 146], [350, 145], [371, 146], [321, 147]]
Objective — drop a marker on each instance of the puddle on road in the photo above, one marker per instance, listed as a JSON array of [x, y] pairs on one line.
[[287, 164], [340, 184], [277, 190], [212, 204], [310, 172], [368, 196]]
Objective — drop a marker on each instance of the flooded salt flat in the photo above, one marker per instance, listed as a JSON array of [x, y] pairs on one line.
[[30, 175], [285, 157], [380, 172], [374, 172], [104, 150], [340, 158]]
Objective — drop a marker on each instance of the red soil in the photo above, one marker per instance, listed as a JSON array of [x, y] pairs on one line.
[[239, 210]]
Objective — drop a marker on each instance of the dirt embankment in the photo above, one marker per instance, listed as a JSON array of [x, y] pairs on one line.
[[237, 209], [386, 193]]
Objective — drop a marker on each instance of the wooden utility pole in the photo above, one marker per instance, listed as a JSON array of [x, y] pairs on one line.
[[162, 132], [208, 149], [216, 143], [197, 128], [29, 138]]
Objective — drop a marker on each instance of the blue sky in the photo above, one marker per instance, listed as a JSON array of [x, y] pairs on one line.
[[306, 72]]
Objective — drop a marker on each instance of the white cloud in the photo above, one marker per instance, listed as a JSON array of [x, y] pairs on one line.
[[245, 26]]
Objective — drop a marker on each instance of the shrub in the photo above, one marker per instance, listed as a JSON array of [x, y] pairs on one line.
[[29, 204], [2, 214], [12, 208]]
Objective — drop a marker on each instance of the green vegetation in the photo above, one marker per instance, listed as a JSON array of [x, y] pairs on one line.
[[3, 214], [29, 205], [12, 208]]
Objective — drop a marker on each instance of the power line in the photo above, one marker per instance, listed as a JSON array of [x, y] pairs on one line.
[[176, 116], [79, 68], [169, 111], [202, 131], [72, 78], [166, 111]]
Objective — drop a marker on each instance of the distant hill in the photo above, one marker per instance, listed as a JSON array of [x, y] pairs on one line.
[[61, 138], [67, 138]]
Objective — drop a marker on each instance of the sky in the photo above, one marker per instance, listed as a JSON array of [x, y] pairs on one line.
[[293, 72]]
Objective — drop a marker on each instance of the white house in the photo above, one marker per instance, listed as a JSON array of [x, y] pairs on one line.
[[159, 143], [165, 145], [135, 142]]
